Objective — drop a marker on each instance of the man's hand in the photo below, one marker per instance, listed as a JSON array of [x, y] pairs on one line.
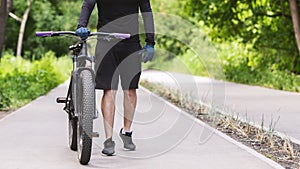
[[83, 32], [147, 52]]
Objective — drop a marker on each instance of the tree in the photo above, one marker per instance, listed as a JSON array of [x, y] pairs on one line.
[[270, 26], [44, 15], [22, 27], [296, 22], [5, 7]]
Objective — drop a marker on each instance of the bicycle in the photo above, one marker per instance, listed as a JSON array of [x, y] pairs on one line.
[[80, 100]]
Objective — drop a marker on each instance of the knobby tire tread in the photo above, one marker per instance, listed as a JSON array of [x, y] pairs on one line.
[[86, 114]]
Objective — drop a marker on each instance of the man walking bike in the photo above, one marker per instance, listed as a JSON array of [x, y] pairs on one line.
[[119, 61]]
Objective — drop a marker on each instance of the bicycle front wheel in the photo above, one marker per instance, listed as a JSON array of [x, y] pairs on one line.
[[86, 109]]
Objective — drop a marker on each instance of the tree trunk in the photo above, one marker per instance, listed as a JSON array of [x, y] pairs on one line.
[[296, 22], [3, 21], [22, 29]]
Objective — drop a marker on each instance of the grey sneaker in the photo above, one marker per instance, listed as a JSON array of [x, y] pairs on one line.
[[109, 147], [127, 140]]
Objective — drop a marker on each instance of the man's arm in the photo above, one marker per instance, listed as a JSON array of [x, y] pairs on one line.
[[86, 10], [148, 21]]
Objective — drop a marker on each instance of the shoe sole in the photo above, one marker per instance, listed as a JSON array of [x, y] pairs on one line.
[[108, 155], [127, 149]]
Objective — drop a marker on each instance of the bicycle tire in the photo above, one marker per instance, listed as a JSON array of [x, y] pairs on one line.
[[73, 134], [86, 108], [72, 123]]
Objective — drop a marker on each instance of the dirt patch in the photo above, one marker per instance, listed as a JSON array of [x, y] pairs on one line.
[[266, 142], [4, 113]]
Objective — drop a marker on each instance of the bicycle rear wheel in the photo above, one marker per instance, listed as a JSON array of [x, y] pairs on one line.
[[73, 134], [86, 110], [73, 120]]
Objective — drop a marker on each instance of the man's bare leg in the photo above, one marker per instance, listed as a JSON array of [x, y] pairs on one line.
[[129, 109], [108, 111], [130, 99]]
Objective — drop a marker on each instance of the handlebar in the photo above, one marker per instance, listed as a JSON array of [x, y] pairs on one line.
[[103, 34]]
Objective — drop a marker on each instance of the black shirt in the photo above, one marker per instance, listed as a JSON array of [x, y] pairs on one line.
[[120, 16]]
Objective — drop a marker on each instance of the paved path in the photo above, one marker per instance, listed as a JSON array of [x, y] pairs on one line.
[[35, 137], [250, 102]]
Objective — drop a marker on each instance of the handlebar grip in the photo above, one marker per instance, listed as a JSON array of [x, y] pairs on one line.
[[121, 35], [44, 34]]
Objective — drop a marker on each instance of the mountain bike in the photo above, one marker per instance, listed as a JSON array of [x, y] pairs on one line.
[[80, 100]]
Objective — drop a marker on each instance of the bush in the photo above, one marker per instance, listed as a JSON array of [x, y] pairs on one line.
[[242, 65], [22, 81]]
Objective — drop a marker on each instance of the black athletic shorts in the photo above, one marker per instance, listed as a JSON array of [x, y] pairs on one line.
[[117, 61]]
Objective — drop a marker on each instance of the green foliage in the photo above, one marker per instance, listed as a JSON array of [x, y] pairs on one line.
[[181, 45], [172, 35], [266, 25], [22, 80], [243, 65], [45, 15]]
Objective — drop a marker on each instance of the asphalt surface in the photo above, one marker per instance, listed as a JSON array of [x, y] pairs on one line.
[[276, 109], [35, 137]]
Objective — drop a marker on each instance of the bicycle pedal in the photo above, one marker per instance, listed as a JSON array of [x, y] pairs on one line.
[[61, 100], [95, 134]]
